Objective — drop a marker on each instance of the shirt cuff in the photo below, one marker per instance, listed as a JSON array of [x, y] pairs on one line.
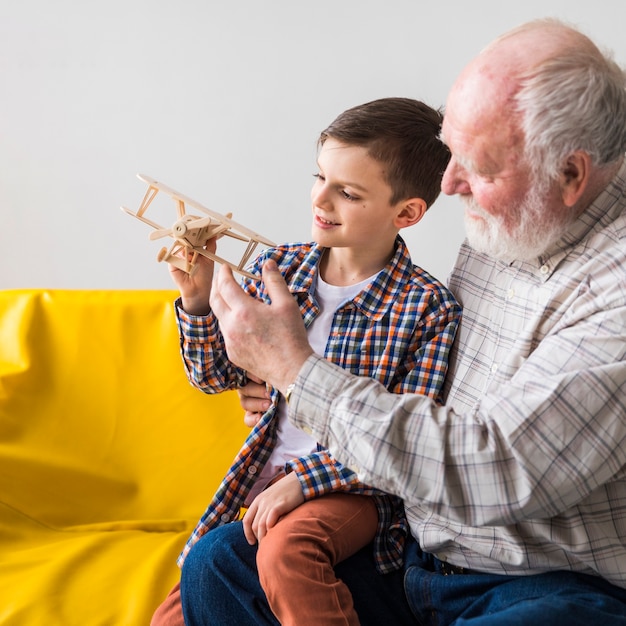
[[193, 327], [318, 384]]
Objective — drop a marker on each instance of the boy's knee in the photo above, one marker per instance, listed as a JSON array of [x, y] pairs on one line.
[[271, 550], [287, 545]]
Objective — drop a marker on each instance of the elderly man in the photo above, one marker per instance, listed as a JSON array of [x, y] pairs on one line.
[[517, 485]]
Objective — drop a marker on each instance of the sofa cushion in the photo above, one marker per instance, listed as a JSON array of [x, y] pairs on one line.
[[107, 455]]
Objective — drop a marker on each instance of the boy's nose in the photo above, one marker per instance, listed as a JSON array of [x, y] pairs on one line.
[[319, 197]]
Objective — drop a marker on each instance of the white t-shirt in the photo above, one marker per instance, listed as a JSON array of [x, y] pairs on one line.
[[292, 442]]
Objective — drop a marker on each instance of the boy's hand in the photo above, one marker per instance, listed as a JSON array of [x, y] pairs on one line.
[[195, 290], [254, 399], [270, 505]]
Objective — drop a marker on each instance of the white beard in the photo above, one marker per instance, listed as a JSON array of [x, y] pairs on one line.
[[534, 231]]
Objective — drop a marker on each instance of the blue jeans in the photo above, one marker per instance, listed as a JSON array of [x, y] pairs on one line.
[[557, 598], [220, 585]]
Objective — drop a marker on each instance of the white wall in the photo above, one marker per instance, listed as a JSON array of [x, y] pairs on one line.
[[222, 101]]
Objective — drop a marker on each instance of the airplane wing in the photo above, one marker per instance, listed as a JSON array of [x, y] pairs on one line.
[[239, 228], [142, 218]]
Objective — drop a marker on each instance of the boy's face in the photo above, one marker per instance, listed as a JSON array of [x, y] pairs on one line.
[[350, 198]]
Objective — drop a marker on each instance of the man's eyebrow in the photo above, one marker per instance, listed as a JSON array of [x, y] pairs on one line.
[[462, 161], [466, 164]]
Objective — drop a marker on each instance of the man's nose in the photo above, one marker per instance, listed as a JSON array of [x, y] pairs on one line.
[[454, 179]]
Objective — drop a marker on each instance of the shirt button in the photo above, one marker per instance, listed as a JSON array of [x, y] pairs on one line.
[[510, 294], [252, 470], [307, 430], [544, 269], [224, 517], [494, 368]]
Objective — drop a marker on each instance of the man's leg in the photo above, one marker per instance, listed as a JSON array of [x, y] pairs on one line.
[[219, 581], [220, 585], [378, 598], [297, 556], [474, 599]]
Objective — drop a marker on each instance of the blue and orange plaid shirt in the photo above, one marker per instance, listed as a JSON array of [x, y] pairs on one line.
[[398, 330]]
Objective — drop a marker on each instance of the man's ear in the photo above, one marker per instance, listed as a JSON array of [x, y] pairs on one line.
[[409, 212], [574, 177]]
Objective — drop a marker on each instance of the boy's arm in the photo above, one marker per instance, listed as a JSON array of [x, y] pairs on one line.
[[320, 473], [201, 343], [424, 369], [423, 372], [204, 356]]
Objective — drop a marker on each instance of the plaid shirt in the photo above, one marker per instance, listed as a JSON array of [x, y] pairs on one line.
[[524, 469], [398, 331]]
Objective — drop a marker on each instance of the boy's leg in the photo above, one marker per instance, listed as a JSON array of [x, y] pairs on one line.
[[296, 558], [170, 611], [220, 585]]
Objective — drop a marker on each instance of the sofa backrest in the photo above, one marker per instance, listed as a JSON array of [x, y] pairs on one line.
[[97, 419]]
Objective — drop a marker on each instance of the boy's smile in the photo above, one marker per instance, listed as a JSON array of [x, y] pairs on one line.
[[320, 222]]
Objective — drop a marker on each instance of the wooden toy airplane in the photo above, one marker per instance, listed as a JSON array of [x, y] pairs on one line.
[[191, 232]]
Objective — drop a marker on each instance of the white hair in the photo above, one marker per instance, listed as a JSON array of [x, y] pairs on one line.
[[573, 101]]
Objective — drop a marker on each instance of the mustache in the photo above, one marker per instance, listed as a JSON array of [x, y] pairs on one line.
[[470, 203]]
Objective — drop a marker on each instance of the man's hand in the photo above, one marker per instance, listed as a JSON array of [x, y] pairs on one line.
[[267, 339], [270, 505]]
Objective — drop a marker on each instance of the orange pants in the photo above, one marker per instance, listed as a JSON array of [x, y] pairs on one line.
[[170, 611], [296, 560], [297, 556]]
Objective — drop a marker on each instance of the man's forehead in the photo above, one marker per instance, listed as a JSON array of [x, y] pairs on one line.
[[487, 143]]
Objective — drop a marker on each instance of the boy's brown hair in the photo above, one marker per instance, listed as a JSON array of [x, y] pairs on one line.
[[403, 135]]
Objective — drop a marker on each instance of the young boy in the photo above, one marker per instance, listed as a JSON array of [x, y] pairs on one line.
[[367, 308]]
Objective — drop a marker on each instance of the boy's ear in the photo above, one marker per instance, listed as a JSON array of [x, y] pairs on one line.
[[574, 177], [410, 212]]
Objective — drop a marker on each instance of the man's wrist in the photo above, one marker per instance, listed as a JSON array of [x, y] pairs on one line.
[[285, 379], [289, 391]]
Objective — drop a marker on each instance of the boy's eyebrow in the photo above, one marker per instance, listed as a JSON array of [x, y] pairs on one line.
[[344, 183], [355, 186], [347, 183]]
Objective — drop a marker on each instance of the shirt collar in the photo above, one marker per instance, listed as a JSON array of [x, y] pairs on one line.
[[380, 293], [383, 291]]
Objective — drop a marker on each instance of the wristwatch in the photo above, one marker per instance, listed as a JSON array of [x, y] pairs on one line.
[[289, 391]]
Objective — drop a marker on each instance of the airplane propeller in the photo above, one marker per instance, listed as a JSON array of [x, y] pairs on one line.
[[179, 229]]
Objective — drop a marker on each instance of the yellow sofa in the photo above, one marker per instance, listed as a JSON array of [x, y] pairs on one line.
[[107, 455]]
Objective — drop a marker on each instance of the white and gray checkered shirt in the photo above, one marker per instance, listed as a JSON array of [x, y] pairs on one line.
[[524, 469]]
